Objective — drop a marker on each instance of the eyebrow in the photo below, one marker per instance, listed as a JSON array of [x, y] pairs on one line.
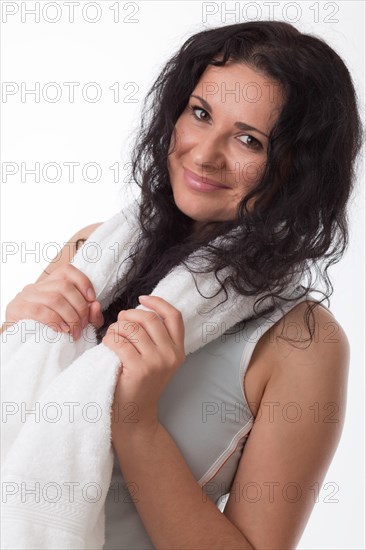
[[241, 125]]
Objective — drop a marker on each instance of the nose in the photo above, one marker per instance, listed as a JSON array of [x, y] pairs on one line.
[[208, 154]]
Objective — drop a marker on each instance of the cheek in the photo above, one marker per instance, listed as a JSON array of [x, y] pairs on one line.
[[185, 135], [252, 171]]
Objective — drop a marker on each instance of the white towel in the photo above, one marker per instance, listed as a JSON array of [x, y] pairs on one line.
[[57, 460]]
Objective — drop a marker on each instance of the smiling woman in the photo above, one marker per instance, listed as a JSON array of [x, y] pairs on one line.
[[214, 151], [246, 154], [260, 110], [240, 132]]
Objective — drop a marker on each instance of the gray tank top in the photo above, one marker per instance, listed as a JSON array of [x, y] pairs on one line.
[[205, 410]]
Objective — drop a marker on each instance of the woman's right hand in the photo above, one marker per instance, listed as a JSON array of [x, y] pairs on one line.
[[61, 300]]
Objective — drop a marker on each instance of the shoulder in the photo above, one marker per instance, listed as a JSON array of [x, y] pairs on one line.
[[326, 343], [74, 243], [289, 341], [86, 231], [69, 250], [83, 234], [297, 428], [311, 372]]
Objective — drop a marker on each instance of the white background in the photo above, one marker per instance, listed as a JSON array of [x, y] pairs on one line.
[[34, 214]]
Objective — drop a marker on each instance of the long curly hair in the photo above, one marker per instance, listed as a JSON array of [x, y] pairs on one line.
[[299, 219]]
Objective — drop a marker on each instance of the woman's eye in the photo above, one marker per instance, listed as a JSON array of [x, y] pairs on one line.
[[253, 143], [194, 108]]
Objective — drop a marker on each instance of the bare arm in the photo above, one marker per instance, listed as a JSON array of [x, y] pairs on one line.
[[174, 509], [279, 453], [69, 250], [294, 437]]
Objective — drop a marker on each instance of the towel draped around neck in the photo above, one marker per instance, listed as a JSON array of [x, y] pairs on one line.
[[57, 395]]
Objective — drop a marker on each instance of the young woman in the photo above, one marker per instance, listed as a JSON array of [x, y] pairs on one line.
[[255, 126]]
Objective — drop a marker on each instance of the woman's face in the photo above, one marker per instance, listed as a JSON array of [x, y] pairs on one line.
[[222, 136]]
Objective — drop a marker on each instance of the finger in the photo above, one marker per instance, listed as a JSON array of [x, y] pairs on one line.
[[95, 314], [81, 281], [119, 338], [65, 299], [131, 329], [125, 350], [43, 314], [171, 317], [146, 322]]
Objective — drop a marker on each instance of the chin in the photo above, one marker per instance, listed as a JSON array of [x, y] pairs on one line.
[[185, 206]]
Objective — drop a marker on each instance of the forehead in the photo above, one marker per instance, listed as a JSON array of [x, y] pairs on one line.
[[239, 89]]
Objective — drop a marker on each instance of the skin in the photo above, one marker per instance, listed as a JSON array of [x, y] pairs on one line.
[[210, 145], [278, 451]]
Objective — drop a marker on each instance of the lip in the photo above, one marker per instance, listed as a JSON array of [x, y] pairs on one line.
[[201, 184]]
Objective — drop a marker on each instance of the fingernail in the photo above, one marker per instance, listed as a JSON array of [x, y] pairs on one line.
[[90, 294], [65, 327]]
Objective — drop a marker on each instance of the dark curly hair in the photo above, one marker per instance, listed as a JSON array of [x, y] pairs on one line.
[[299, 216]]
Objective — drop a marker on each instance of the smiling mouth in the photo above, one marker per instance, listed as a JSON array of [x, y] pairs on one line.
[[199, 180]]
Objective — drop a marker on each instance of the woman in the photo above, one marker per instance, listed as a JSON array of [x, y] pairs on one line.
[[269, 116]]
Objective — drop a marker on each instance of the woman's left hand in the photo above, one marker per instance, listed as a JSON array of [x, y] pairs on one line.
[[151, 349]]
